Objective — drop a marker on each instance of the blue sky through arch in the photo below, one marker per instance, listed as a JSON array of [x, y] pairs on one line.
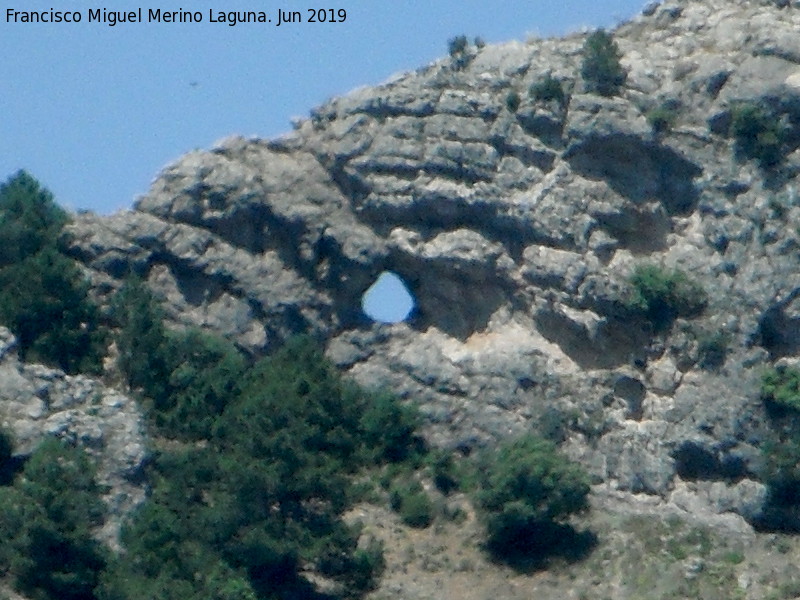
[[388, 299]]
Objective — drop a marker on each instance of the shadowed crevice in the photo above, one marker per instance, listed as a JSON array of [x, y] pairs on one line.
[[639, 170]]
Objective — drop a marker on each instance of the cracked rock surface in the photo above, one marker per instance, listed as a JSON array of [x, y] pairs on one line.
[[515, 231]]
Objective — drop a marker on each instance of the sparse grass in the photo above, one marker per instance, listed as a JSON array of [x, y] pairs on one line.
[[638, 557]]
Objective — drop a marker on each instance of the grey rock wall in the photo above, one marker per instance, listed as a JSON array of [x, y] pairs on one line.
[[515, 232]]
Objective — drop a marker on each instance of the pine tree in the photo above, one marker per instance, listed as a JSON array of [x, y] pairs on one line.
[[43, 296], [601, 70]]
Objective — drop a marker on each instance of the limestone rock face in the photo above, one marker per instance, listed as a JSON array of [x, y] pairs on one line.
[[515, 231], [37, 401]]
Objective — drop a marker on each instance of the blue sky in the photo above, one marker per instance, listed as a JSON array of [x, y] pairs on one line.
[[94, 112]]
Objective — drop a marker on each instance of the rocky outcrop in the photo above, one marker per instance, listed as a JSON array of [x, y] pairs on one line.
[[515, 230], [37, 401]]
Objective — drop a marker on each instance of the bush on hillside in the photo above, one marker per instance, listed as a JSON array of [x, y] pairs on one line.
[[525, 489], [261, 499], [548, 89], [458, 48], [457, 45], [662, 118], [758, 134], [6, 460], [780, 450], [140, 339], [388, 430], [411, 502], [780, 389], [30, 220], [447, 475], [513, 101], [204, 375], [662, 295], [601, 69], [712, 349]]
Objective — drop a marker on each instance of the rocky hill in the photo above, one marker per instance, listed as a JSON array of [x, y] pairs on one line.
[[516, 226]]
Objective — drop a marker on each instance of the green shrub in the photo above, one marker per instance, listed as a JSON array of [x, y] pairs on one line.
[[758, 133], [780, 450], [662, 118], [554, 423], [30, 220], [46, 522], [513, 101], [457, 46], [780, 471], [781, 387], [268, 518], [298, 390], [547, 90], [662, 294], [446, 474], [367, 566], [417, 511], [601, 69], [43, 296], [413, 505], [6, 447], [389, 430], [526, 487]]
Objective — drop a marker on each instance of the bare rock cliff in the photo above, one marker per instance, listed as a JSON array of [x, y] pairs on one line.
[[516, 231]]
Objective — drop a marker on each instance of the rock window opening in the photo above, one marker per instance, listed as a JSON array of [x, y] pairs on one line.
[[388, 299]]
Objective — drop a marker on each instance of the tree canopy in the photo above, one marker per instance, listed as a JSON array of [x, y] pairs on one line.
[[46, 519], [43, 296]]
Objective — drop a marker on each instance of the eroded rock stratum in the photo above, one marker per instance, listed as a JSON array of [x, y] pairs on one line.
[[516, 232]]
